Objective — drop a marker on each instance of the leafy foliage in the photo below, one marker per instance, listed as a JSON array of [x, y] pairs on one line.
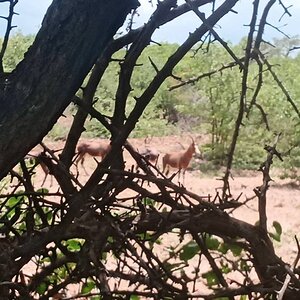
[[207, 106], [17, 46]]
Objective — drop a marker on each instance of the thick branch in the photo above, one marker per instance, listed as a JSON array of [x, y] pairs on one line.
[[220, 225]]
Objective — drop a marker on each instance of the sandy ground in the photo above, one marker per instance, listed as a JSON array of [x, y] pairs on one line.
[[283, 203], [283, 196]]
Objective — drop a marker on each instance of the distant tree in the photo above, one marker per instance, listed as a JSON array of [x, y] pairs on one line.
[[282, 47], [91, 233]]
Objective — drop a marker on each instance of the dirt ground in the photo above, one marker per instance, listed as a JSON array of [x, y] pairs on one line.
[[283, 203], [283, 196]]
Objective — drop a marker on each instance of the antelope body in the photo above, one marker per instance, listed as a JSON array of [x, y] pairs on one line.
[[179, 160], [100, 149], [150, 154]]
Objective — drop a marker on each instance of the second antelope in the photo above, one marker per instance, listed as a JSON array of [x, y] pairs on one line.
[[180, 159], [100, 149], [150, 154]]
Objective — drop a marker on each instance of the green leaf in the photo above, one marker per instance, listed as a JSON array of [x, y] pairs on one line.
[[189, 251], [134, 297], [45, 260], [73, 245], [12, 201], [223, 248], [148, 201], [235, 249], [87, 287], [158, 241], [43, 191], [145, 236], [62, 273], [225, 269], [211, 278], [244, 266], [42, 288], [277, 227], [278, 231], [212, 243], [49, 215], [275, 236]]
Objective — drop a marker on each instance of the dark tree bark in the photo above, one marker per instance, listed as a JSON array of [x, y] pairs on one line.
[[73, 35]]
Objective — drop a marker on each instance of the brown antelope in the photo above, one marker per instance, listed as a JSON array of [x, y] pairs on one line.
[[180, 159], [100, 149]]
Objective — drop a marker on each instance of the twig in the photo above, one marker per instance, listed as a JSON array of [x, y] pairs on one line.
[[207, 74], [173, 60], [276, 28], [215, 34], [261, 192], [280, 84], [127, 67], [9, 27], [244, 89], [286, 11], [288, 277]]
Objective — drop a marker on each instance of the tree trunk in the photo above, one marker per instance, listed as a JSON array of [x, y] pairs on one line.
[[73, 34]]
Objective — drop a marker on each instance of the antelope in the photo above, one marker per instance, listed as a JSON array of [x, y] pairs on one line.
[[101, 149], [150, 154], [179, 160]]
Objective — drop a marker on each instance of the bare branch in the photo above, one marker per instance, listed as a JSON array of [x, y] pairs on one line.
[[244, 88], [216, 36], [280, 84], [9, 27], [286, 10], [208, 74]]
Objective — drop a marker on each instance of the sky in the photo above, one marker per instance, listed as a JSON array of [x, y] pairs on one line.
[[231, 29]]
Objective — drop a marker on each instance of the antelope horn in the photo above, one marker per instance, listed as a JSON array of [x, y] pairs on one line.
[[192, 138]]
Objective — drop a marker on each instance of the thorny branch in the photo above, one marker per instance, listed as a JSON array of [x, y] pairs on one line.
[[244, 88], [98, 70], [261, 192], [257, 43], [279, 83], [9, 27], [216, 36], [207, 74], [286, 9]]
